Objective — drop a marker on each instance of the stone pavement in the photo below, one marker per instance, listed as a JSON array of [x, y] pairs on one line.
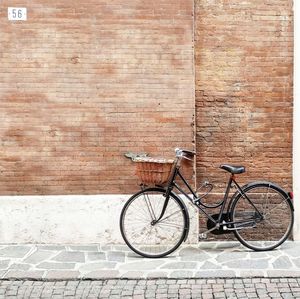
[[232, 288], [206, 260]]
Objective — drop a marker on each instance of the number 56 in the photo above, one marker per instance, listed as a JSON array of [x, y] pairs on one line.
[[17, 13]]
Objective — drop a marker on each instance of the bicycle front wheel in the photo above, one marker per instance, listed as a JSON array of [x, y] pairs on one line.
[[139, 229], [263, 216]]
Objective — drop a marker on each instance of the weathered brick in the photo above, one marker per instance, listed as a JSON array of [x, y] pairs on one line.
[[82, 85], [244, 58]]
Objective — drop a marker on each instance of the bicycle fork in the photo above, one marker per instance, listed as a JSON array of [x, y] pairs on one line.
[[168, 192], [163, 209]]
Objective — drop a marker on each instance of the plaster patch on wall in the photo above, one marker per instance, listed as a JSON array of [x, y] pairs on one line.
[[67, 219]]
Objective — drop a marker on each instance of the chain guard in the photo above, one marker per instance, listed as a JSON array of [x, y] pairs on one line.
[[220, 231]]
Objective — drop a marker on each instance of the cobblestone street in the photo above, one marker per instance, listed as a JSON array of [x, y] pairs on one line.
[[157, 288]]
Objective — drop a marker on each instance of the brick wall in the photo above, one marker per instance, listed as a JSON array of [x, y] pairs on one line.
[[244, 56], [80, 84]]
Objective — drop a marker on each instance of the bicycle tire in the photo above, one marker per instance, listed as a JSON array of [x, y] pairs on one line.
[[269, 232], [151, 241]]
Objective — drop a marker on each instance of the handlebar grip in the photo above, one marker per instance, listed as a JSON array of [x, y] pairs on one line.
[[192, 153], [183, 152]]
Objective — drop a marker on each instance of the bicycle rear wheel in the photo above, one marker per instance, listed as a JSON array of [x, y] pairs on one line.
[[264, 216], [142, 235]]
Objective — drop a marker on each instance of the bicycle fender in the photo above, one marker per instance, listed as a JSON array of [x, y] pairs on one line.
[[187, 228], [275, 186], [282, 191]]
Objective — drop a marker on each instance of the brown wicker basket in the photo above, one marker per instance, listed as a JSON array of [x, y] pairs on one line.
[[153, 171]]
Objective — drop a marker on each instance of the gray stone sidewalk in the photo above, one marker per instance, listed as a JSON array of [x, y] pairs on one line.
[[208, 259]]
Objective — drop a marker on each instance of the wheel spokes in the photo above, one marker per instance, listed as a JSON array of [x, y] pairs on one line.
[[146, 236], [276, 221]]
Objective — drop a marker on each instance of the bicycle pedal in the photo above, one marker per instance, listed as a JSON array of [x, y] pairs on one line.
[[202, 236]]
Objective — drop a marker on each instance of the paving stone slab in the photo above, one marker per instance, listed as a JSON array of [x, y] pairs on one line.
[[229, 256], [101, 274], [123, 248], [17, 274], [116, 256], [106, 247], [259, 254], [59, 274], [94, 256], [189, 251], [292, 249], [296, 262], [215, 273], [283, 273], [51, 247], [97, 266], [55, 266], [250, 273], [70, 256], [232, 245], [38, 256], [181, 273], [142, 265], [248, 264], [2, 273], [209, 265], [4, 264], [198, 257], [84, 247], [15, 251], [133, 274], [157, 274], [282, 262], [19, 266]]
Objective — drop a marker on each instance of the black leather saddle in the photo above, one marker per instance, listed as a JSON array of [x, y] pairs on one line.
[[233, 169]]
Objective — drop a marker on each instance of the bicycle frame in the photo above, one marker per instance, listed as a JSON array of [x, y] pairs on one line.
[[195, 200]]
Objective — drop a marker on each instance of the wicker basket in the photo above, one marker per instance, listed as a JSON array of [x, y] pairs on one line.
[[153, 171]]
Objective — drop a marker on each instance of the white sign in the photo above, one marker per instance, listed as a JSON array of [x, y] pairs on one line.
[[17, 13]]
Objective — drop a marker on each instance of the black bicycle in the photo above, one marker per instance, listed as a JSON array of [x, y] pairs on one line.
[[155, 221]]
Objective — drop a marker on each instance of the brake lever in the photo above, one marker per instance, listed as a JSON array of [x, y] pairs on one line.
[[187, 158]]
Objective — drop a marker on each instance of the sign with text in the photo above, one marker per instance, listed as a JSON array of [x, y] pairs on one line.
[[17, 13]]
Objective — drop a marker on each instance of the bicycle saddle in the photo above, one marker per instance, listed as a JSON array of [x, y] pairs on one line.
[[233, 169]]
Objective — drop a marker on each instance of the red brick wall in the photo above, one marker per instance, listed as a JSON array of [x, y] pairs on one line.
[[83, 82], [244, 56]]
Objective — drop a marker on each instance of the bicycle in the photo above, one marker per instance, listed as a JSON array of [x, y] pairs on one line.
[[155, 221]]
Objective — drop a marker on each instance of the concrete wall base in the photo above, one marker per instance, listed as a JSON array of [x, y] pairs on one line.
[[67, 219]]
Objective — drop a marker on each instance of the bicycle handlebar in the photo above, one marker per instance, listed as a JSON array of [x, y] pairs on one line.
[[183, 152]]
